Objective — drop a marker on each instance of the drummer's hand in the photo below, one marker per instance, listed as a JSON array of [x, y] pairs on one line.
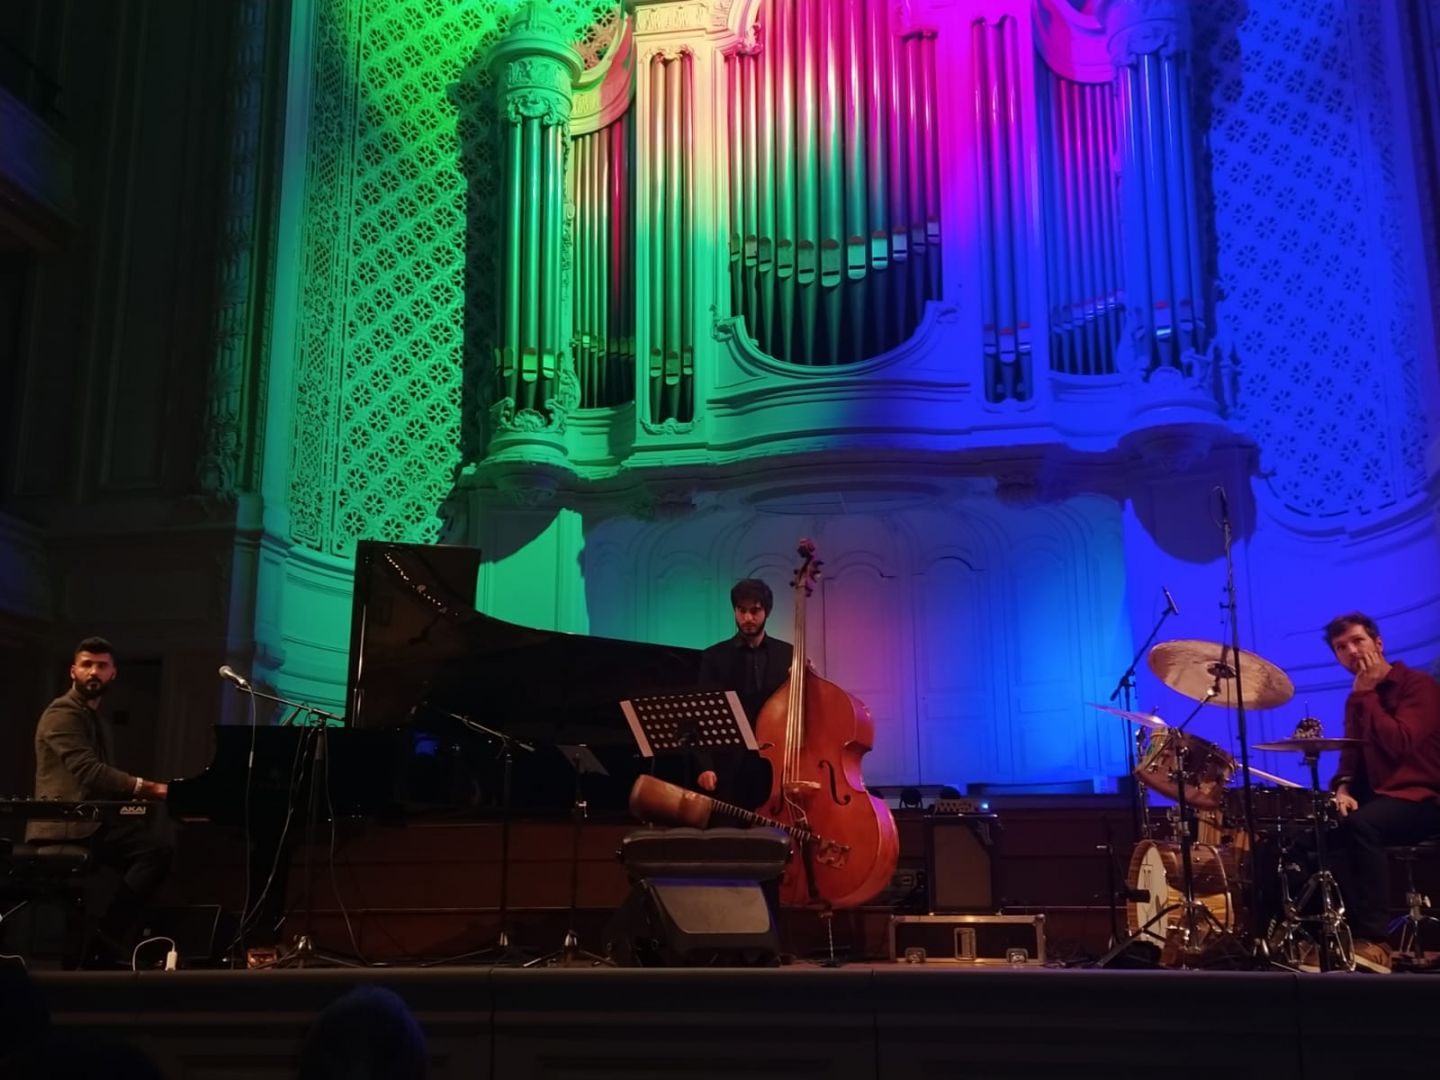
[[1371, 671], [707, 780], [1344, 801]]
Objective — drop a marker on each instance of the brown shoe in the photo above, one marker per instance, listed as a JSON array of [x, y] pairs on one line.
[[1372, 956]]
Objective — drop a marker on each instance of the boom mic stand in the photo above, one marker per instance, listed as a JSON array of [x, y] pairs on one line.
[[503, 952], [1139, 808], [570, 953], [302, 952]]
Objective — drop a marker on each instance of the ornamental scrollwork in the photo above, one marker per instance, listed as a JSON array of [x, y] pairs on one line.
[[672, 17], [532, 105]]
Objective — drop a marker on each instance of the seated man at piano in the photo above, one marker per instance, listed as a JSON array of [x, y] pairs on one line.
[[1387, 790], [754, 665], [74, 748]]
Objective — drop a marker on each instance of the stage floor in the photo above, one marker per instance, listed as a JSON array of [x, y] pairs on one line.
[[870, 1021]]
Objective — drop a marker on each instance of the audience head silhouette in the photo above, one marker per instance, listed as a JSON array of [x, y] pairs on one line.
[[368, 1034]]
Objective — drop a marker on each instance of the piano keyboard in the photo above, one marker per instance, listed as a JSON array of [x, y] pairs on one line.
[[59, 810]]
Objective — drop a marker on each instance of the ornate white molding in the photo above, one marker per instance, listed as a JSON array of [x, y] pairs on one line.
[[1072, 44], [605, 91], [1135, 28], [655, 19]]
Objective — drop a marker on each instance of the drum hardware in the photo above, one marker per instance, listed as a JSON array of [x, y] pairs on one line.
[[1125, 688], [1230, 676], [1331, 936], [1183, 938]]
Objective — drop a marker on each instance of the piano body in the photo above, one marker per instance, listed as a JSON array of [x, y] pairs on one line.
[[422, 662]]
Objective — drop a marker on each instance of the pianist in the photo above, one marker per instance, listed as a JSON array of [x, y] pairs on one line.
[[74, 746]]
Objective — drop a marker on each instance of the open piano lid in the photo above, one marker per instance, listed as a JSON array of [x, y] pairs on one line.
[[421, 655]]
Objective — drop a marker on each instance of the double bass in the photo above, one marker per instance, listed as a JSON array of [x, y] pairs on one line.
[[813, 733]]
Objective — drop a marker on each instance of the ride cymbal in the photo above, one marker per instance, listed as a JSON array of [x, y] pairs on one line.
[[1206, 671], [1149, 720], [1306, 746]]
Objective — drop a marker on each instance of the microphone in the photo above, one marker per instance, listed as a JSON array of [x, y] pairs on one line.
[[1170, 600], [227, 672], [1224, 503]]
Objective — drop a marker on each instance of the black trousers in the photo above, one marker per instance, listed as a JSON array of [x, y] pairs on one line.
[[1357, 856], [141, 853]]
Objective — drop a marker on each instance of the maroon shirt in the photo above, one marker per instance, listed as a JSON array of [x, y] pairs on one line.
[[1400, 723]]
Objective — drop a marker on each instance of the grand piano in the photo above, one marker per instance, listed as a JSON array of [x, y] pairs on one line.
[[422, 662]]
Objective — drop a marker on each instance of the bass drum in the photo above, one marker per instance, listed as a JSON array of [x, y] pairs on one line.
[[1156, 867]]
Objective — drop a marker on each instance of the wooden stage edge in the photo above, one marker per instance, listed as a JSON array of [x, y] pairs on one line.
[[871, 1021]]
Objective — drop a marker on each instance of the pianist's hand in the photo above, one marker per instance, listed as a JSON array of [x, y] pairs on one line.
[[154, 789], [707, 779]]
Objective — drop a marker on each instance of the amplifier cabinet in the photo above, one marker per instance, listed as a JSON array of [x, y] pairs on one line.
[[968, 939]]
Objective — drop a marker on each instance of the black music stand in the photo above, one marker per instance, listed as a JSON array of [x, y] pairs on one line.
[[694, 720], [570, 954]]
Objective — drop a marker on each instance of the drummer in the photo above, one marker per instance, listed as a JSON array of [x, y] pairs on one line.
[[1388, 789]]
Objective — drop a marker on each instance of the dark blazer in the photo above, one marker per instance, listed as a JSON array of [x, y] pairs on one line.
[[742, 777], [723, 667], [73, 749]]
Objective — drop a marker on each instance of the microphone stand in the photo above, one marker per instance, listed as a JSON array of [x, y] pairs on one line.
[[1248, 802], [503, 952], [302, 953], [1139, 808]]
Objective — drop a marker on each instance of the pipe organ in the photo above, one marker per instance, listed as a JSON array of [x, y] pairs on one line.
[[833, 181], [1082, 235], [790, 186]]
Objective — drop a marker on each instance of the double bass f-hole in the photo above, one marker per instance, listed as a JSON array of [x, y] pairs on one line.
[[835, 795]]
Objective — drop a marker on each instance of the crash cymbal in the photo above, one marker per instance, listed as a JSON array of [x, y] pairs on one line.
[[1147, 719], [1306, 746], [1195, 668]]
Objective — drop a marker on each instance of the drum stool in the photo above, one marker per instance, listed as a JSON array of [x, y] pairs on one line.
[[1413, 922]]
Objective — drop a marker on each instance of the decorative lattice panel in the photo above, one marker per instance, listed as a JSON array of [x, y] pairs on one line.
[[398, 248], [1307, 235]]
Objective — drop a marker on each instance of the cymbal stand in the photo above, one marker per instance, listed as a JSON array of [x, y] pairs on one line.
[[1139, 804], [1247, 803], [503, 953], [570, 953], [1332, 935]]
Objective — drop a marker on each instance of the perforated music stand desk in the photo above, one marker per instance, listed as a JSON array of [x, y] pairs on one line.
[[694, 720]]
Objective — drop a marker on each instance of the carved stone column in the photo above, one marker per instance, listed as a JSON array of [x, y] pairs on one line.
[[535, 388], [222, 471]]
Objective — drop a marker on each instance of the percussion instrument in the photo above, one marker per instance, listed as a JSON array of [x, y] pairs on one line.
[[1205, 671], [1209, 767]]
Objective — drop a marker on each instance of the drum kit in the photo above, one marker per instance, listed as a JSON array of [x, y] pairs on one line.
[[1204, 889]]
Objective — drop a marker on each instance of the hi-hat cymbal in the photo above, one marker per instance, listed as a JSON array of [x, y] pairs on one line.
[[1307, 746], [1206, 671], [1147, 719]]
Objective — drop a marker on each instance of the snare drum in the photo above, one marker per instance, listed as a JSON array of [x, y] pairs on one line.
[[1210, 767]]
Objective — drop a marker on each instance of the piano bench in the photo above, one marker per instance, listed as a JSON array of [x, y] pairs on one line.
[[705, 854], [34, 877]]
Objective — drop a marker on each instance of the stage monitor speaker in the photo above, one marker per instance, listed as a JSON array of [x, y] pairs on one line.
[[677, 922], [961, 867]]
